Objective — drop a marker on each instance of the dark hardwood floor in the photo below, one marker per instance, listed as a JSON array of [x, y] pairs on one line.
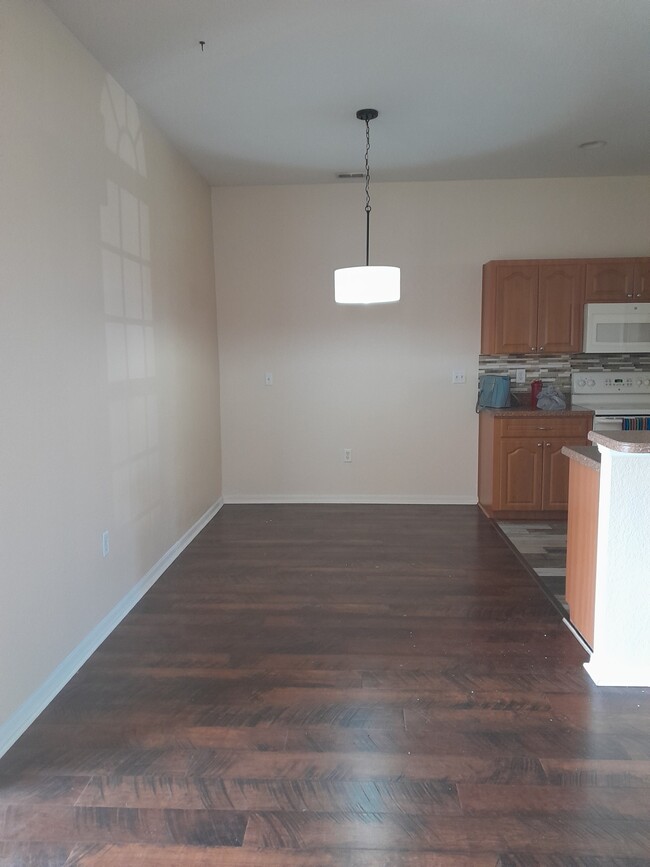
[[335, 686]]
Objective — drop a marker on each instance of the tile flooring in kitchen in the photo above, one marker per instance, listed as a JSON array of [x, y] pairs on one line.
[[542, 545]]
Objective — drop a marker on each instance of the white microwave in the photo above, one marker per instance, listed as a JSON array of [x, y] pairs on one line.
[[617, 328]]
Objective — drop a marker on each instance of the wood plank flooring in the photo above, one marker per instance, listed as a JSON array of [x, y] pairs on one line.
[[335, 686]]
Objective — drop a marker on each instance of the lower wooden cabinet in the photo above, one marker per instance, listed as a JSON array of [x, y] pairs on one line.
[[522, 470]]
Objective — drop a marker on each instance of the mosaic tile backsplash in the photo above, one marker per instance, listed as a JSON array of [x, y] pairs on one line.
[[556, 369]]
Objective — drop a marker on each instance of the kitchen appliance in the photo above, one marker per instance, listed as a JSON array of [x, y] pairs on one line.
[[620, 399], [617, 328]]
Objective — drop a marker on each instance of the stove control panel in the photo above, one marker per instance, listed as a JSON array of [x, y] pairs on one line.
[[610, 382]]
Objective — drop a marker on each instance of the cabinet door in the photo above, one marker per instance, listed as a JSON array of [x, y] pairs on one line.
[[555, 476], [560, 307], [520, 473], [610, 280], [516, 308], [642, 280]]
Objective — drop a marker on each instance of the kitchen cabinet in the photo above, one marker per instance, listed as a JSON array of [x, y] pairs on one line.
[[582, 531], [617, 280], [537, 305], [522, 471], [532, 306]]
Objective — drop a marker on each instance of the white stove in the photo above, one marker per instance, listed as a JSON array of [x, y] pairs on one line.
[[620, 400]]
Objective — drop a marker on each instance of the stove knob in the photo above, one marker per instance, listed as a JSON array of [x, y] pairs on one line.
[[581, 383], [647, 382], [591, 382], [639, 382]]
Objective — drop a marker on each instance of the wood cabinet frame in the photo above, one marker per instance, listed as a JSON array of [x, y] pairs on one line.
[[522, 471], [536, 306], [582, 533], [617, 280]]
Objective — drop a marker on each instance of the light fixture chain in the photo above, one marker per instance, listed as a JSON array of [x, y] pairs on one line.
[[370, 285], [367, 166], [368, 209]]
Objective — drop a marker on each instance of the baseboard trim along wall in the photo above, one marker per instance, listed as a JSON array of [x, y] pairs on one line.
[[360, 499], [18, 722]]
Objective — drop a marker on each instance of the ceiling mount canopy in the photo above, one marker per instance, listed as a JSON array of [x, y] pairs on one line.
[[367, 284]]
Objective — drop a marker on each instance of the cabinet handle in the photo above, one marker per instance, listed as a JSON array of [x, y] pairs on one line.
[[629, 295], [541, 428]]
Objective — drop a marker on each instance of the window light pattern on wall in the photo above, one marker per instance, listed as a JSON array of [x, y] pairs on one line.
[[129, 314]]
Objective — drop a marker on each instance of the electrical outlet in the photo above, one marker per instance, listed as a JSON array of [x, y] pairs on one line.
[[105, 544], [458, 377], [347, 456], [268, 379], [520, 375]]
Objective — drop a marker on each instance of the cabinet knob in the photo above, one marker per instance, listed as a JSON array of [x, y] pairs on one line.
[[548, 444], [532, 348], [629, 295], [539, 444], [541, 349]]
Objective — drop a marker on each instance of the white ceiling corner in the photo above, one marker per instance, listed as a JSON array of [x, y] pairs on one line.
[[466, 89]]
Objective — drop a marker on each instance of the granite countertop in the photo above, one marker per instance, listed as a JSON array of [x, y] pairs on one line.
[[635, 442], [527, 412], [588, 456]]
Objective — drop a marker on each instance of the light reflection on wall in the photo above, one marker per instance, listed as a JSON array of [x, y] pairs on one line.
[[122, 132], [130, 343], [128, 302]]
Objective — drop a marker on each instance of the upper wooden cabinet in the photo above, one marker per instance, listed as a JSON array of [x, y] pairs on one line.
[[537, 305], [560, 304], [532, 306], [617, 280]]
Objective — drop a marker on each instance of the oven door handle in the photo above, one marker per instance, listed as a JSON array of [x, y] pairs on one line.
[[608, 422]]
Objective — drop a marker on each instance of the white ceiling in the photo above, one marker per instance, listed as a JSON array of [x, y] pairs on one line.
[[465, 88]]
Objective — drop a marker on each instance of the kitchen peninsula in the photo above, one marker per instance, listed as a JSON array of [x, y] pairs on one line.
[[609, 503]]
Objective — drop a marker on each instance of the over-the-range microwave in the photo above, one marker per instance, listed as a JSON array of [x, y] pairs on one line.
[[617, 328]]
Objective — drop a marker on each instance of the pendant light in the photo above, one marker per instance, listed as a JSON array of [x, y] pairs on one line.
[[367, 284]]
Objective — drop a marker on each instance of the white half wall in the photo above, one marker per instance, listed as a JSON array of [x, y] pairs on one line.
[[621, 654], [378, 379], [108, 348]]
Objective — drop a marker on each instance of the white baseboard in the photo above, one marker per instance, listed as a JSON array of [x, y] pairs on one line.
[[360, 499], [627, 672], [12, 728]]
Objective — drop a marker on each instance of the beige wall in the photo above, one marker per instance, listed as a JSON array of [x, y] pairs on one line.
[[378, 379], [108, 352]]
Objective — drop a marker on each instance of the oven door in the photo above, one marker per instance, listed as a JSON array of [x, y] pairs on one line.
[[608, 422], [622, 422]]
